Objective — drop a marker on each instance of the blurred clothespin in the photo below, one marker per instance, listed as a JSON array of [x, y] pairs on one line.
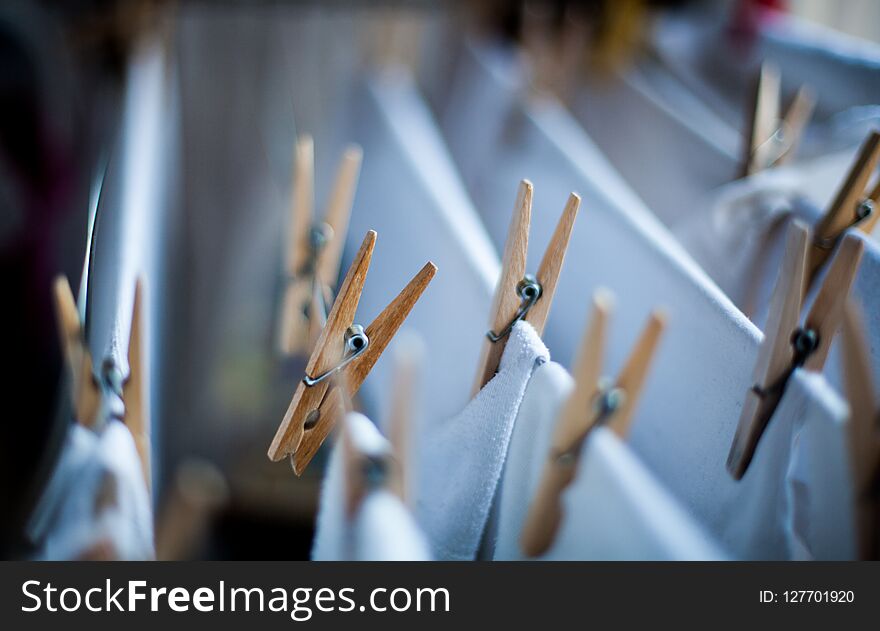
[[771, 139], [96, 400], [594, 402], [521, 296], [788, 346], [864, 426], [342, 347], [855, 205], [314, 249]]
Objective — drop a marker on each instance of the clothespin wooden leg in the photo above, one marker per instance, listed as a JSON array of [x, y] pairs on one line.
[[764, 117], [379, 332], [631, 380], [775, 353], [575, 422], [134, 391], [506, 302], [845, 209], [84, 391], [551, 265]]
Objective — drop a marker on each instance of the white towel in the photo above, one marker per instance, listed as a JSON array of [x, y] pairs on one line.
[[382, 529], [105, 498], [460, 460]]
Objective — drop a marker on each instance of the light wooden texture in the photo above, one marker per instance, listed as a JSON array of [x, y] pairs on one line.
[[775, 354], [632, 378], [764, 117], [380, 332], [293, 337], [826, 314], [506, 302], [864, 429], [85, 395], [338, 213], [408, 361], [328, 352], [551, 264], [302, 205], [795, 121], [134, 391], [841, 213], [574, 424], [579, 417], [867, 226]]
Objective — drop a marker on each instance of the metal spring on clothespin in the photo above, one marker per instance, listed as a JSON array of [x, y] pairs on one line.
[[607, 401], [529, 290], [864, 210], [356, 342]]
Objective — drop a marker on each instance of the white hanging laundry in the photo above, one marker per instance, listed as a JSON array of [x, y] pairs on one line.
[[614, 509], [822, 501], [382, 529], [410, 194], [98, 495], [656, 144], [459, 461], [703, 368], [740, 240]]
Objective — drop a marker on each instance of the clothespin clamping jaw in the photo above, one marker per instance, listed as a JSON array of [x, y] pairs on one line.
[[343, 348], [787, 346], [594, 402], [854, 205], [99, 398], [864, 426], [771, 138], [314, 249], [521, 296]]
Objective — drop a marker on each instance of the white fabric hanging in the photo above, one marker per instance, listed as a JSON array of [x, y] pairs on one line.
[[382, 529], [613, 510], [459, 460], [656, 145], [409, 192], [98, 496], [703, 367]]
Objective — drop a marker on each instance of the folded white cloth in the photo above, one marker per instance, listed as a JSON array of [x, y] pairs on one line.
[[460, 459], [382, 529], [98, 495]]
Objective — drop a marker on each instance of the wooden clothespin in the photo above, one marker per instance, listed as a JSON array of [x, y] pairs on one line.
[[853, 206], [771, 138], [135, 389], [787, 346], [91, 396], [314, 250], [519, 296], [85, 393], [592, 403], [864, 428], [407, 367], [342, 346]]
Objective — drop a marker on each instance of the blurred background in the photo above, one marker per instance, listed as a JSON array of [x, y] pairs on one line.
[[184, 115]]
